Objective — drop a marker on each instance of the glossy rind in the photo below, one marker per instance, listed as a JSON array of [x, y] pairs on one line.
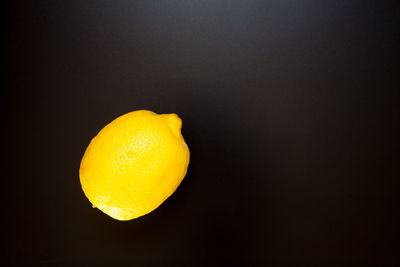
[[134, 164]]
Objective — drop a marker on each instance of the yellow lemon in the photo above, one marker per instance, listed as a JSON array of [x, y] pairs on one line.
[[134, 164]]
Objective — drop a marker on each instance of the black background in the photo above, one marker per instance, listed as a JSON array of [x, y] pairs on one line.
[[289, 108]]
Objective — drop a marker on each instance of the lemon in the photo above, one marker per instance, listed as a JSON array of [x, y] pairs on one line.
[[134, 164]]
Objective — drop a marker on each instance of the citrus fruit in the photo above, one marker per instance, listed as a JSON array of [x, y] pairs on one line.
[[134, 164]]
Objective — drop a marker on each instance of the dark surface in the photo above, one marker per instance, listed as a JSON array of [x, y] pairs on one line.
[[289, 108]]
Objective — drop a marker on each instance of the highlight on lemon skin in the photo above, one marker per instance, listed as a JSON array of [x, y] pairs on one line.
[[134, 164]]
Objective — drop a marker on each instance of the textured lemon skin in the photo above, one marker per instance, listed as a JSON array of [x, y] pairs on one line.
[[134, 164]]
